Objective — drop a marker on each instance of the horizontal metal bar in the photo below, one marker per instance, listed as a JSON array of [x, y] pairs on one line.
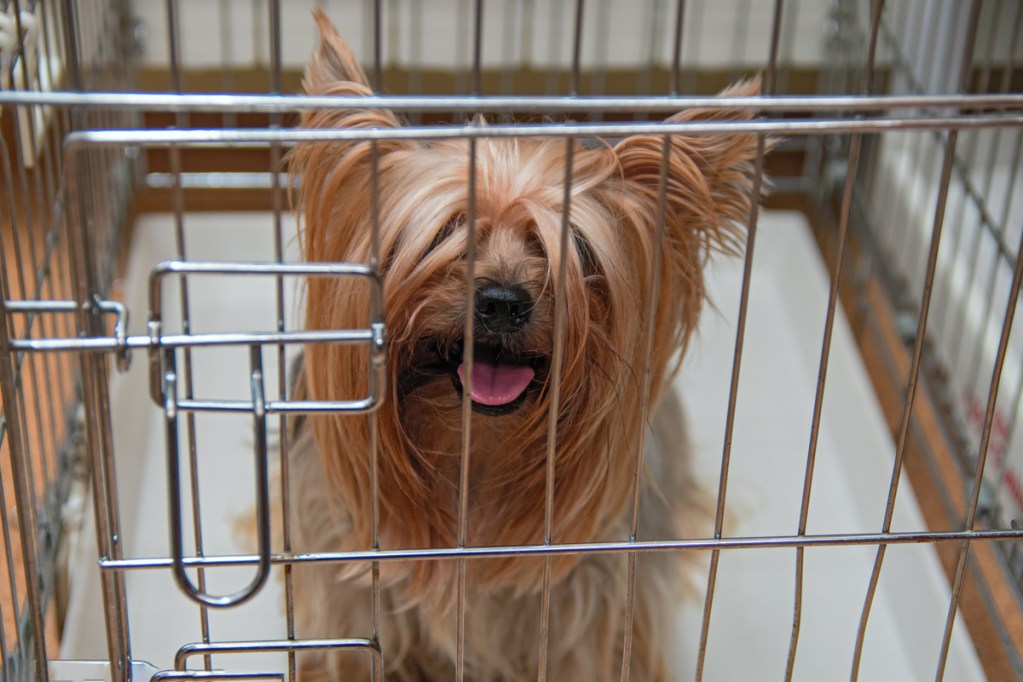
[[255, 137], [268, 646], [215, 675], [359, 406], [180, 267], [26, 307], [216, 180], [629, 105], [702, 544], [107, 343]]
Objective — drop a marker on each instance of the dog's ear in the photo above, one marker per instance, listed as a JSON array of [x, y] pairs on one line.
[[339, 171], [334, 70], [709, 176], [708, 193], [333, 61]]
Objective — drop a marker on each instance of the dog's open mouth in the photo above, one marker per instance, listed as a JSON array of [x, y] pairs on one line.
[[500, 381]]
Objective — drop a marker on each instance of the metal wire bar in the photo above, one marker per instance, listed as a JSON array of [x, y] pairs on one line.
[[914, 372], [470, 552], [852, 171], [17, 447], [557, 360], [216, 675], [466, 445], [22, 259], [676, 51], [1002, 223], [272, 646], [918, 347], [376, 313], [252, 104], [85, 281], [198, 593], [177, 198], [985, 441], [259, 137], [46, 447], [644, 412], [277, 181], [733, 391], [956, 328]]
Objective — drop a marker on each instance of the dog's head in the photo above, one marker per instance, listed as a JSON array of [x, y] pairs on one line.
[[618, 258]]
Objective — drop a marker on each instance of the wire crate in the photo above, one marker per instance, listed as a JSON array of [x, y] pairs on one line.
[[853, 392]]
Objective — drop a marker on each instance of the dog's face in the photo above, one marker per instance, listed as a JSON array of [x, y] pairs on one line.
[[624, 277]]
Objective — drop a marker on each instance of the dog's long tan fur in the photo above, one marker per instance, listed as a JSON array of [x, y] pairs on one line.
[[423, 202]]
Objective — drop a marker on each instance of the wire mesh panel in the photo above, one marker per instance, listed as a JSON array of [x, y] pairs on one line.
[[47, 46], [853, 407]]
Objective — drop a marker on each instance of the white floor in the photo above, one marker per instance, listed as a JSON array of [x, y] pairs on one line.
[[752, 613]]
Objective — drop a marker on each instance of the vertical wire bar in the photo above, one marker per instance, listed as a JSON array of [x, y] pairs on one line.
[[985, 441], [378, 40], [467, 359], [914, 372], [56, 282], [651, 314], [46, 449], [14, 601], [855, 145], [956, 325], [676, 51], [730, 415], [1007, 203], [918, 346], [740, 336], [79, 266], [17, 452], [557, 359], [1003, 464], [178, 202], [23, 259], [26, 513], [5, 290], [276, 206], [373, 417], [577, 48], [98, 426], [996, 376], [644, 416]]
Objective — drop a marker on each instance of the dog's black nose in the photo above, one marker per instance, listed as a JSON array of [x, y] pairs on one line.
[[501, 309]]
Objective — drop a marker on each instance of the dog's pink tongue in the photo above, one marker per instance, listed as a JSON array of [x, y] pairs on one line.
[[496, 383]]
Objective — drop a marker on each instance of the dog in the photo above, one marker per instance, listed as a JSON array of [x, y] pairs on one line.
[[633, 237]]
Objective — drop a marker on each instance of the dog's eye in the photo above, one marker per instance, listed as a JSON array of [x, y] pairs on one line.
[[444, 232], [587, 259]]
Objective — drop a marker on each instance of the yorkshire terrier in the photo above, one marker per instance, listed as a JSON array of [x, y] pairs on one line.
[[629, 225]]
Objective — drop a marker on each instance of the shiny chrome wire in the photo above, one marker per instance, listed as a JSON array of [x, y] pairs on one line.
[[918, 348], [852, 171]]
